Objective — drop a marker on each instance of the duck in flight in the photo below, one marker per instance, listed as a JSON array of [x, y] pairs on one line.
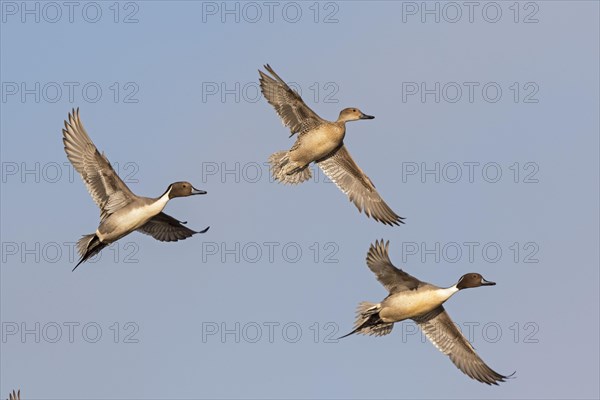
[[121, 211], [420, 301], [322, 142]]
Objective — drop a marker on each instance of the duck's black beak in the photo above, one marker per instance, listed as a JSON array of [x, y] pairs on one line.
[[487, 283], [365, 116], [197, 191]]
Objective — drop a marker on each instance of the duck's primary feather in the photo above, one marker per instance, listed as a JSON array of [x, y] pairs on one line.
[[393, 279], [288, 104], [165, 228], [106, 188], [443, 333], [350, 179]]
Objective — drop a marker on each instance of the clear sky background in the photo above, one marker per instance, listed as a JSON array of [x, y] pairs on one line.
[[248, 310]]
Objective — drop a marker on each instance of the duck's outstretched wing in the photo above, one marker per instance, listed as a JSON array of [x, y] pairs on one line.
[[347, 175], [165, 228], [292, 110], [444, 334], [393, 279], [103, 183]]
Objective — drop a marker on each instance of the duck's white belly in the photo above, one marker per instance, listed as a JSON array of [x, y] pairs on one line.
[[413, 303], [127, 220]]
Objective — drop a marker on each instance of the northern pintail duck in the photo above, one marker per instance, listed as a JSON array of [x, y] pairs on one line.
[[420, 301], [121, 211], [15, 395], [322, 142]]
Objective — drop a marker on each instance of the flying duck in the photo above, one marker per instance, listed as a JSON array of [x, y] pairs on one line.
[[121, 211], [322, 142], [420, 301]]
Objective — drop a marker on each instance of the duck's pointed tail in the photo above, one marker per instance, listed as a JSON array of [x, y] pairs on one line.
[[88, 246], [286, 171], [368, 321]]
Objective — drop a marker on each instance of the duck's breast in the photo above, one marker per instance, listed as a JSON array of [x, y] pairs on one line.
[[412, 303], [317, 143]]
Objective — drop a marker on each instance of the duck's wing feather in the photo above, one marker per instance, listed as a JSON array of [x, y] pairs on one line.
[[106, 188], [393, 279], [347, 175], [165, 228], [15, 395], [445, 335], [292, 110]]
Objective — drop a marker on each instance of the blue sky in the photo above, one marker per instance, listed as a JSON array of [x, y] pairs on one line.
[[485, 139]]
